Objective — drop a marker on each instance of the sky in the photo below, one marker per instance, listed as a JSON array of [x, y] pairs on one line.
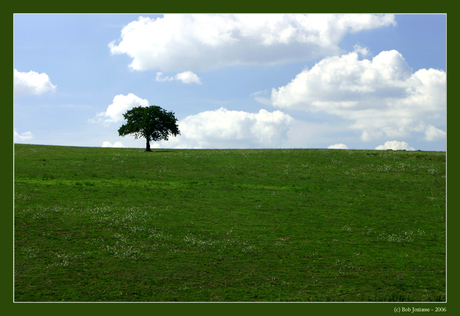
[[234, 81]]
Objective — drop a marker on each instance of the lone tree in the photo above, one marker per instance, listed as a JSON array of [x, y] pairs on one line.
[[152, 123]]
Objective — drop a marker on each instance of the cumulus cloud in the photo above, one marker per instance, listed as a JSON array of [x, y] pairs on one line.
[[181, 42], [187, 77], [364, 51], [432, 133], [237, 129], [22, 137], [381, 97], [120, 104], [109, 144], [395, 145], [338, 146], [27, 83]]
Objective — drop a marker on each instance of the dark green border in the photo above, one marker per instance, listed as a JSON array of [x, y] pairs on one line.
[[211, 308]]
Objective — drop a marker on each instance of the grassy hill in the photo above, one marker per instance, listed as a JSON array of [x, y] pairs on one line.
[[107, 224]]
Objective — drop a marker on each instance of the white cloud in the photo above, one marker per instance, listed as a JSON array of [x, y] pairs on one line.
[[26, 83], [364, 51], [200, 41], [188, 77], [381, 97], [338, 146], [161, 78], [432, 133], [121, 103], [109, 144], [395, 145], [22, 137], [236, 129]]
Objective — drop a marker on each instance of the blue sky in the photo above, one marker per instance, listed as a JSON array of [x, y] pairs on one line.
[[234, 81]]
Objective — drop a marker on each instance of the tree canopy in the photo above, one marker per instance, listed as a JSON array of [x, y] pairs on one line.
[[152, 122]]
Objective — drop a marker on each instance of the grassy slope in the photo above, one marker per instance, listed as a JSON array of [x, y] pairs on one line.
[[104, 224]]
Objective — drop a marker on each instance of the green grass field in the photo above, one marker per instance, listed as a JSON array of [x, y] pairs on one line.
[[107, 224]]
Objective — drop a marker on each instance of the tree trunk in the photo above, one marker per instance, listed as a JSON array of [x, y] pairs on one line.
[[147, 146]]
